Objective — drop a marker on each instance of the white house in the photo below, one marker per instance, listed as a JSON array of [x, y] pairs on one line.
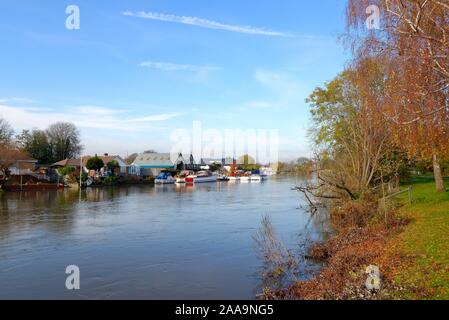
[[151, 163]]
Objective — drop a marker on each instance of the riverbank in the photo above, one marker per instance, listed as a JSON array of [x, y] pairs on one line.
[[423, 247], [411, 249]]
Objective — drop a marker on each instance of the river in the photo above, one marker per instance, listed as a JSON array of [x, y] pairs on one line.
[[145, 242]]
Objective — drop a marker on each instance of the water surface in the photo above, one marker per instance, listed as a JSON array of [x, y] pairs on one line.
[[145, 242]]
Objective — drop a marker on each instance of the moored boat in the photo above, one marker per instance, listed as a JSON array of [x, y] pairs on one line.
[[258, 177], [223, 178], [201, 177], [181, 178], [164, 178]]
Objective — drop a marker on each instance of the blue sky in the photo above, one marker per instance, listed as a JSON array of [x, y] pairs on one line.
[[137, 70]]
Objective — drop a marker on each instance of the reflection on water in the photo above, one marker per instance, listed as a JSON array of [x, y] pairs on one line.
[[180, 242]]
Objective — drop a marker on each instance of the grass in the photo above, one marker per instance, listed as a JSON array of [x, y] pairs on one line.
[[424, 244]]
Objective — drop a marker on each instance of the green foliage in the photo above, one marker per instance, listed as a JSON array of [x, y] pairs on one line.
[[84, 177], [66, 170], [37, 145], [95, 163], [302, 166], [60, 141], [331, 108], [112, 165], [110, 180], [214, 167]]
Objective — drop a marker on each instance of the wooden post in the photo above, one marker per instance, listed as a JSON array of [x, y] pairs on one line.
[[81, 171], [21, 182]]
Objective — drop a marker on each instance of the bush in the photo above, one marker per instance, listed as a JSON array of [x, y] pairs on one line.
[[66, 170], [357, 213], [109, 180], [94, 163], [112, 166], [84, 177]]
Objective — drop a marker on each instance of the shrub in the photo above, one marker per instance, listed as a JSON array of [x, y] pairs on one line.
[[357, 213], [94, 163], [112, 165], [65, 171]]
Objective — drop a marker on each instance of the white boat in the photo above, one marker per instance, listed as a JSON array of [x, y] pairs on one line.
[[245, 179], [258, 177], [201, 177], [234, 179], [164, 178]]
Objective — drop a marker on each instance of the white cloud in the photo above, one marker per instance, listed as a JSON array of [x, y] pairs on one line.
[[95, 110], [159, 117], [171, 67], [17, 100], [84, 117], [204, 23]]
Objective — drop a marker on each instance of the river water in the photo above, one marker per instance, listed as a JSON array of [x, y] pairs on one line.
[[145, 242]]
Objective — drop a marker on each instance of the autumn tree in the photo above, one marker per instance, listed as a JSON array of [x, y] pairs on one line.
[[413, 42]]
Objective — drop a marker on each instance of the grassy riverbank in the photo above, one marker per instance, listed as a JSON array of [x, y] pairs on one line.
[[410, 247], [423, 247]]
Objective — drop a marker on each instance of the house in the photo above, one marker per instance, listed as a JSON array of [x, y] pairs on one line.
[[152, 163], [225, 163], [75, 163], [16, 162], [22, 164], [18, 168], [124, 168]]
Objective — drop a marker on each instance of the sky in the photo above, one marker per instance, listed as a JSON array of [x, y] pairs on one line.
[[135, 71]]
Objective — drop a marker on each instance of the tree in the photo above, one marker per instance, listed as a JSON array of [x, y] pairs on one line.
[[36, 144], [95, 163], [349, 130], [64, 140], [414, 45], [112, 166], [214, 167], [6, 131]]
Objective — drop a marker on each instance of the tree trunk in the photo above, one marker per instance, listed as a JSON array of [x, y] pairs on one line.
[[438, 176]]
